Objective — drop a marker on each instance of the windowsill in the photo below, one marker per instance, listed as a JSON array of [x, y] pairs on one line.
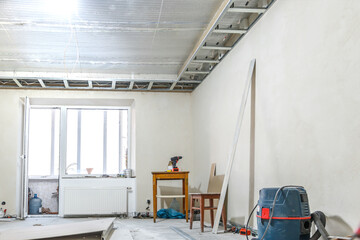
[[43, 177], [74, 176]]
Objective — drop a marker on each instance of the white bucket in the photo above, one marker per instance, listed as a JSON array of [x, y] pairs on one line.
[[128, 173]]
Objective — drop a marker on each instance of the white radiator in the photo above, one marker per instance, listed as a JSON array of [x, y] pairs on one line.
[[95, 200]]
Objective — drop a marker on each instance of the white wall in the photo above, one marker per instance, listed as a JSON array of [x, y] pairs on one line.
[[163, 129], [307, 112]]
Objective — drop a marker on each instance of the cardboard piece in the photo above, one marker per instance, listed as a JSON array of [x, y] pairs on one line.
[[215, 185]]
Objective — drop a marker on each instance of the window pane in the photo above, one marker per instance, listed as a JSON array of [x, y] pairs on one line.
[[92, 137], [56, 141], [71, 142], [112, 154], [102, 137], [41, 140], [124, 140]]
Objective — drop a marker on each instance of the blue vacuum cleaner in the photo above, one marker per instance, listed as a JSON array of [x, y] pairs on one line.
[[284, 214]]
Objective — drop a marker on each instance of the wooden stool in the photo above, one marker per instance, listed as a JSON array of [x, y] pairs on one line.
[[201, 197]]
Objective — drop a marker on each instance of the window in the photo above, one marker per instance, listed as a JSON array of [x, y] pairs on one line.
[[96, 141]]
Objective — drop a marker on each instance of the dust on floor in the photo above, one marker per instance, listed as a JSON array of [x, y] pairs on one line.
[[132, 229]]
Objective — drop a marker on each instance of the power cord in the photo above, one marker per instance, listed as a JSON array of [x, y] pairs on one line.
[[247, 223]]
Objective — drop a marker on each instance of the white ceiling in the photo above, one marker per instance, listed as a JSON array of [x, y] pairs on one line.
[[126, 40], [131, 36]]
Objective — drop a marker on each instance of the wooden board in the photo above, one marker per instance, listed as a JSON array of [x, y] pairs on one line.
[[249, 81], [57, 230]]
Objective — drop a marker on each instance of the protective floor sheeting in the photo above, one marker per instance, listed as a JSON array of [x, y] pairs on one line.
[[59, 230], [135, 229]]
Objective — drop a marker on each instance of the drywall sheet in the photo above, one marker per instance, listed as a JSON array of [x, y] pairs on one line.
[[58, 230]]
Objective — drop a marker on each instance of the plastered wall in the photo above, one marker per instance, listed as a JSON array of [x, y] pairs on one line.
[[307, 108], [162, 130]]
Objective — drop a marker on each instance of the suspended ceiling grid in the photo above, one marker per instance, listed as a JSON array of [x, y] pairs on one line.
[[148, 45]]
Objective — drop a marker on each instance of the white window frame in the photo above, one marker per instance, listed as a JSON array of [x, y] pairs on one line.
[[63, 133], [63, 140]]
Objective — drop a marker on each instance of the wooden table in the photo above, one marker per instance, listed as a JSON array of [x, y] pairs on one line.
[[172, 176]]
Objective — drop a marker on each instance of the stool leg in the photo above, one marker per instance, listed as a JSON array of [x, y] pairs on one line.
[[223, 213], [202, 213], [191, 212], [212, 212]]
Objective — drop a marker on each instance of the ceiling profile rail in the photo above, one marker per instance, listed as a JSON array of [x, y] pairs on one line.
[[247, 10], [18, 83], [111, 85], [112, 82], [230, 23], [220, 12], [231, 31]]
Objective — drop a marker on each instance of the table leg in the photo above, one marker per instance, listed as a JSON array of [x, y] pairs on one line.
[[154, 198], [186, 199], [183, 193]]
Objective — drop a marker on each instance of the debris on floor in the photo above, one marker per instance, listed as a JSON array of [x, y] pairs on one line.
[[125, 229]]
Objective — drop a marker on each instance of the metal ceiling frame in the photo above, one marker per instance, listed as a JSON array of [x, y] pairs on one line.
[[227, 7], [187, 79]]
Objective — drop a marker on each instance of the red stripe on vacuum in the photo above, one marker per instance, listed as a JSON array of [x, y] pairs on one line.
[[286, 218]]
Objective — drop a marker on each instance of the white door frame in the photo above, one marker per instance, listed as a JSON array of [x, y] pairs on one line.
[[24, 162]]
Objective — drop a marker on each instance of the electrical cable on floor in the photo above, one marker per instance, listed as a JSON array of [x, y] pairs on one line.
[[247, 223]]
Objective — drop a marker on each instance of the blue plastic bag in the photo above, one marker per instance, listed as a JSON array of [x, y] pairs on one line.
[[169, 213]]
